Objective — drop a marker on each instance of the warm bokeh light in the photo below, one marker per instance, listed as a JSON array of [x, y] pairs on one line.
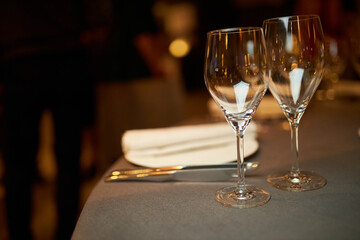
[[179, 48]]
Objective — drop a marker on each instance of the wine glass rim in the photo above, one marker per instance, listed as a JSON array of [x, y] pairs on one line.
[[292, 18], [235, 30]]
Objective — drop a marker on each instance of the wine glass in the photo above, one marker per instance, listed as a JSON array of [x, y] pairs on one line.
[[296, 51], [335, 64], [236, 74], [336, 54]]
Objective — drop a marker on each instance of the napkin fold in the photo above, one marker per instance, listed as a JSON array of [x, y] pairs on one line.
[[185, 145]]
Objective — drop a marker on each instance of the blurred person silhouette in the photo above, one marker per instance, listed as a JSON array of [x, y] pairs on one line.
[[44, 61], [135, 47]]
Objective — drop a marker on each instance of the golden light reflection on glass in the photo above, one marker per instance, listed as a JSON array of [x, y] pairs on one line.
[[294, 65], [226, 41], [299, 32]]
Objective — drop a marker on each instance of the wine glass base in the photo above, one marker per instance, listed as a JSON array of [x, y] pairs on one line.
[[252, 197], [304, 181]]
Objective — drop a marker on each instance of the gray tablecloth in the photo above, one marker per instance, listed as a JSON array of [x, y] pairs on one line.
[[329, 145]]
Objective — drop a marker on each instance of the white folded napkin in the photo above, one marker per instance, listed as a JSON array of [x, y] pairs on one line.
[[185, 145]]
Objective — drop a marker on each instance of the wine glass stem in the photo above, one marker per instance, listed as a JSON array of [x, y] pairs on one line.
[[240, 164], [294, 149]]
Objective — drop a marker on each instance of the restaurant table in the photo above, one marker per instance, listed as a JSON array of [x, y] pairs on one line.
[[329, 142]]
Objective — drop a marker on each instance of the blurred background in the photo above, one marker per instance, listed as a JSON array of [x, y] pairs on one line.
[[118, 65]]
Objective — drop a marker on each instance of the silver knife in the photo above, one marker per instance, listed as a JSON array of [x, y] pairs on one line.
[[207, 173]]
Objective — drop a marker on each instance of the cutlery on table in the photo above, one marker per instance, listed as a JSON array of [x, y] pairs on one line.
[[204, 173]]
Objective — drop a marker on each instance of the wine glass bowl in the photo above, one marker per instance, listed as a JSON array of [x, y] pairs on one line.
[[336, 53], [236, 74], [336, 58], [296, 50]]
